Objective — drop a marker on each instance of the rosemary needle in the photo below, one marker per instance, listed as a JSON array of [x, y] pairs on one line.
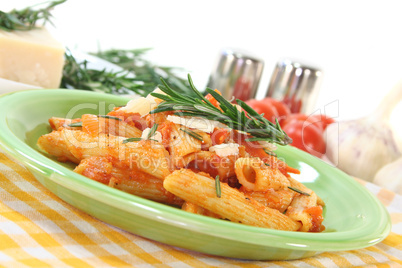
[[298, 191], [218, 187], [192, 134], [152, 131]]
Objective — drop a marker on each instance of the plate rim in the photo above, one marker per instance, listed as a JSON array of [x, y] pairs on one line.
[[43, 164]]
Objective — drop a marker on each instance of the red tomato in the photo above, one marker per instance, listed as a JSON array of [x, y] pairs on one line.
[[282, 108], [303, 118], [325, 120], [219, 136], [306, 137], [260, 107]]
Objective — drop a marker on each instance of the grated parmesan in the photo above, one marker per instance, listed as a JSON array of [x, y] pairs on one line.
[[202, 124], [142, 105], [157, 135], [225, 149]]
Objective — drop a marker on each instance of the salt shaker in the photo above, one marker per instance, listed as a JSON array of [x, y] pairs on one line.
[[296, 84], [236, 74]]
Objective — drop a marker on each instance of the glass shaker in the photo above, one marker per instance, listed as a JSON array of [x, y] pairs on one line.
[[296, 84], [236, 74]]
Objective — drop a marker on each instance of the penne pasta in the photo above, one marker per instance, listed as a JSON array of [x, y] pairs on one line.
[[55, 144], [298, 209], [148, 156], [279, 200], [255, 175], [93, 125], [232, 205], [113, 173], [58, 122], [193, 208], [181, 143]]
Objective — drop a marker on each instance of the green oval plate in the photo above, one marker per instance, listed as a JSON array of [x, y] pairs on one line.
[[354, 218]]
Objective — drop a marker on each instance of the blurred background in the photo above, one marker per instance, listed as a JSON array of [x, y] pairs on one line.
[[357, 44]]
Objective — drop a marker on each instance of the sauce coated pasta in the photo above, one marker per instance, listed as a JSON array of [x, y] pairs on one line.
[[216, 171]]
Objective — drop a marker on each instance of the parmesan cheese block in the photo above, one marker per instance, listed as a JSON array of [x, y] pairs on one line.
[[32, 57]]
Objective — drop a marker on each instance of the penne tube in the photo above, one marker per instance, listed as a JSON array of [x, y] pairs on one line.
[[255, 175], [181, 143], [54, 144], [193, 208], [279, 200], [148, 156], [232, 204], [211, 163], [296, 184], [300, 207], [113, 173], [58, 122], [93, 124]]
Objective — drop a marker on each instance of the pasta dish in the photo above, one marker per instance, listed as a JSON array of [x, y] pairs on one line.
[[164, 152]]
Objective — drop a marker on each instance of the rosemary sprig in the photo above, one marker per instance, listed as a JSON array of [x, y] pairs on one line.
[[146, 73], [77, 75], [248, 120], [27, 18], [138, 76]]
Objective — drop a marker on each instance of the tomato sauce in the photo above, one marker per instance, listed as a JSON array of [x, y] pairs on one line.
[[317, 218]]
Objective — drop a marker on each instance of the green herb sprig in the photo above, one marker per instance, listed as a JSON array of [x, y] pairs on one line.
[[146, 73], [248, 120], [27, 18], [138, 75], [77, 75]]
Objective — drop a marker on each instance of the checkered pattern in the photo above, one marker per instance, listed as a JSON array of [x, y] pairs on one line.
[[37, 229]]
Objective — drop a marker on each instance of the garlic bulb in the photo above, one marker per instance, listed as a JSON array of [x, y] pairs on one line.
[[390, 176], [361, 147]]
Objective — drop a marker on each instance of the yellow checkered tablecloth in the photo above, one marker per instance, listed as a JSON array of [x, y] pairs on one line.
[[37, 229]]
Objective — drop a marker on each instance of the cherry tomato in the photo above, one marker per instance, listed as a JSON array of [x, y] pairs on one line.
[[303, 118], [282, 108], [324, 119], [260, 107], [306, 137]]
